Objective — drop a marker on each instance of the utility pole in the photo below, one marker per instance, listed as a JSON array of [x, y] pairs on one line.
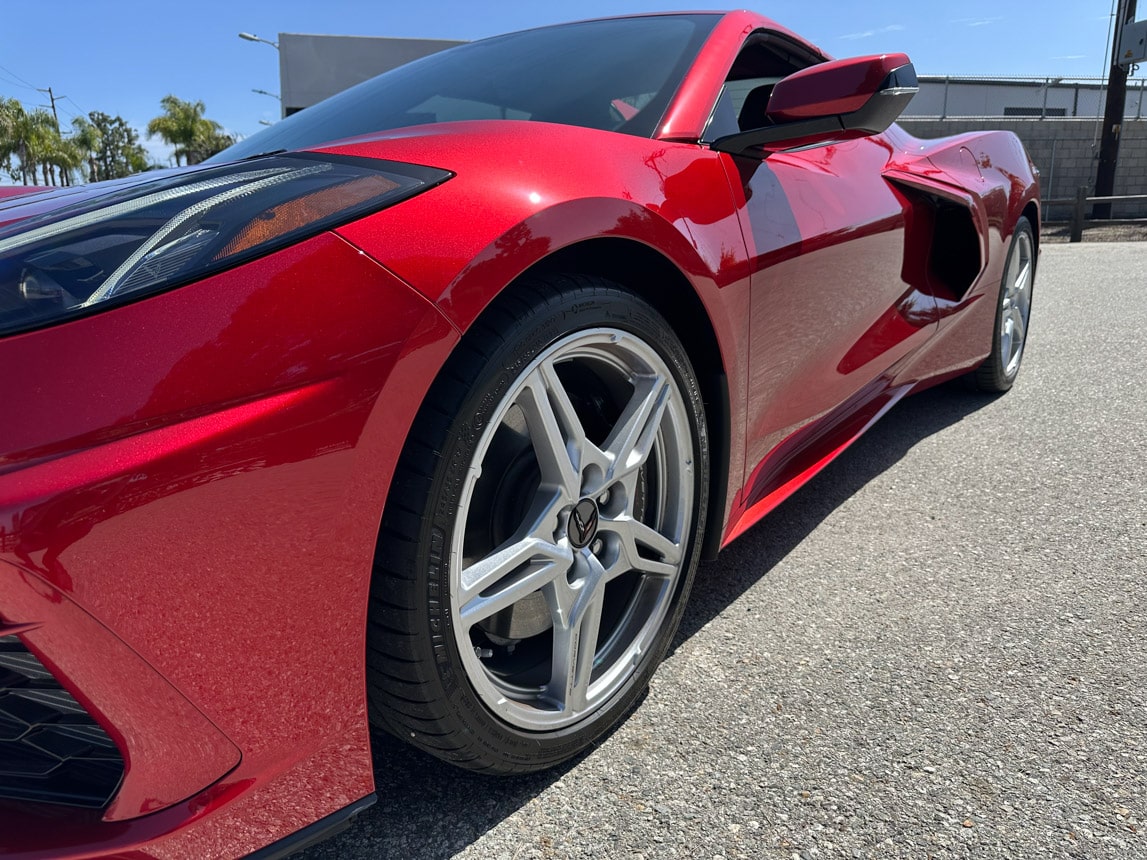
[[1113, 115], [53, 98]]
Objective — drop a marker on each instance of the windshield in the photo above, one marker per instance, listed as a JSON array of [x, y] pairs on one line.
[[616, 74]]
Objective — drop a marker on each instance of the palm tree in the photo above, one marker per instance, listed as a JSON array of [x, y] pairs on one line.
[[184, 127], [31, 137], [9, 108], [87, 138], [68, 157], [14, 131], [207, 147], [43, 145]]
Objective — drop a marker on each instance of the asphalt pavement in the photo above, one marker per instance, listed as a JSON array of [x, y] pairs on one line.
[[938, 648]]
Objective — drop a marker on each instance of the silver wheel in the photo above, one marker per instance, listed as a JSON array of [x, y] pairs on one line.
[[1013, 313], [572, 529], [542, 530], [1015, 305]]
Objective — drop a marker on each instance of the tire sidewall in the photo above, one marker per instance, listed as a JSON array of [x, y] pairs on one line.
[[993, 375], [559, 316]]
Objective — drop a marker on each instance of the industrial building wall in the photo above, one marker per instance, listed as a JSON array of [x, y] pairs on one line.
[[313, 67], [1066, 152], [1081, 98]]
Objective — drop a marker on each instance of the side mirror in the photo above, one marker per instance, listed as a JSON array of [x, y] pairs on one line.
[[828, 103]]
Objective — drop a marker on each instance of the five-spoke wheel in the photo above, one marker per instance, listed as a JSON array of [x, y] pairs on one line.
[[564, 575], [559, 476]]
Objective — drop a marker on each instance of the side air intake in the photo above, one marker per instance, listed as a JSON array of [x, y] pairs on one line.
[[51, 749]]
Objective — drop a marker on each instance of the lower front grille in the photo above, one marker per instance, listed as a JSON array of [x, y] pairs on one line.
[[51, 749]]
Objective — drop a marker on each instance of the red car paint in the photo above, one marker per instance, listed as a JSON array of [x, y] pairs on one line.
[[858, 76], [191, 484]]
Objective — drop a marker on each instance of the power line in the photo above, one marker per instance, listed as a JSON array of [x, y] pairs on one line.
[[74, 102], [22, 82], [10, 77], [13, 83]]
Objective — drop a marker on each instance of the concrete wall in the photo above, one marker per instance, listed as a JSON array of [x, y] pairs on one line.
[[1066, 152]]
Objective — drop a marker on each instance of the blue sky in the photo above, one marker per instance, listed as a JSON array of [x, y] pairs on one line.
[[122, 57]]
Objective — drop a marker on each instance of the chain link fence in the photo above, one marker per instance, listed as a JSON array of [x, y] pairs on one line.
[[955, 97]]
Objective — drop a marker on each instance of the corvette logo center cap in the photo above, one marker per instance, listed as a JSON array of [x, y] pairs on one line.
[[583, 523]]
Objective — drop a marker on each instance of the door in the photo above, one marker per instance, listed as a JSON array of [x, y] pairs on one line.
[[832, 317]]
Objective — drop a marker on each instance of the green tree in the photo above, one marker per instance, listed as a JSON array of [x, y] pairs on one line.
[[10, 111], [99, 147], [30, 137], [63, 157], [183, 126], [206, 148], [119, 152], [16, 149], [32, 149], [87, 139]]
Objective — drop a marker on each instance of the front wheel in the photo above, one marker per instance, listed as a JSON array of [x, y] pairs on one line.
[[542, 530]]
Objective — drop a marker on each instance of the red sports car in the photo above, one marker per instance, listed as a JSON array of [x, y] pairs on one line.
[[427, 428]]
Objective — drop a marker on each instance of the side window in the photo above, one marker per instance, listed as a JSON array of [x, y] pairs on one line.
[[765, 59]]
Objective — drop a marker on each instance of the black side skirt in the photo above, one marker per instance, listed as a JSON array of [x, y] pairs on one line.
[[322, 829]]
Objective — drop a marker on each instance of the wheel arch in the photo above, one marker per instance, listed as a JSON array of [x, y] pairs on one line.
[[1031, 212], [653, 277], [416, 675]]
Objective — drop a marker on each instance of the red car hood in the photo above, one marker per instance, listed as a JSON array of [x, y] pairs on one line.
[[19, 190]]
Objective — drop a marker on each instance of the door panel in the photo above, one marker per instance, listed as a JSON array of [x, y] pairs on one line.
[[831, 314]]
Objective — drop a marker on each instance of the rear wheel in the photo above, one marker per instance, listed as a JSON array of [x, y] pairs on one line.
[[542, 530], [1013, 311]]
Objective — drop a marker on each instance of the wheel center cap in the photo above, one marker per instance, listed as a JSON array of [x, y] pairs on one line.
[[582, 528]]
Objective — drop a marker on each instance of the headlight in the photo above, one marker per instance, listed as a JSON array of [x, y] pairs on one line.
[[161, 233]]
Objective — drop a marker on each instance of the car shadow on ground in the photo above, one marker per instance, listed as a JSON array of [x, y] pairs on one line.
[[759, 550], [429, 809]]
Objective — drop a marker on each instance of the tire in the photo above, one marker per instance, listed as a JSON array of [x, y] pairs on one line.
[[553, 491], [1013, 312]]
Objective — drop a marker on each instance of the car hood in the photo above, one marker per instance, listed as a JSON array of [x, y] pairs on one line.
[[440, 145]]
